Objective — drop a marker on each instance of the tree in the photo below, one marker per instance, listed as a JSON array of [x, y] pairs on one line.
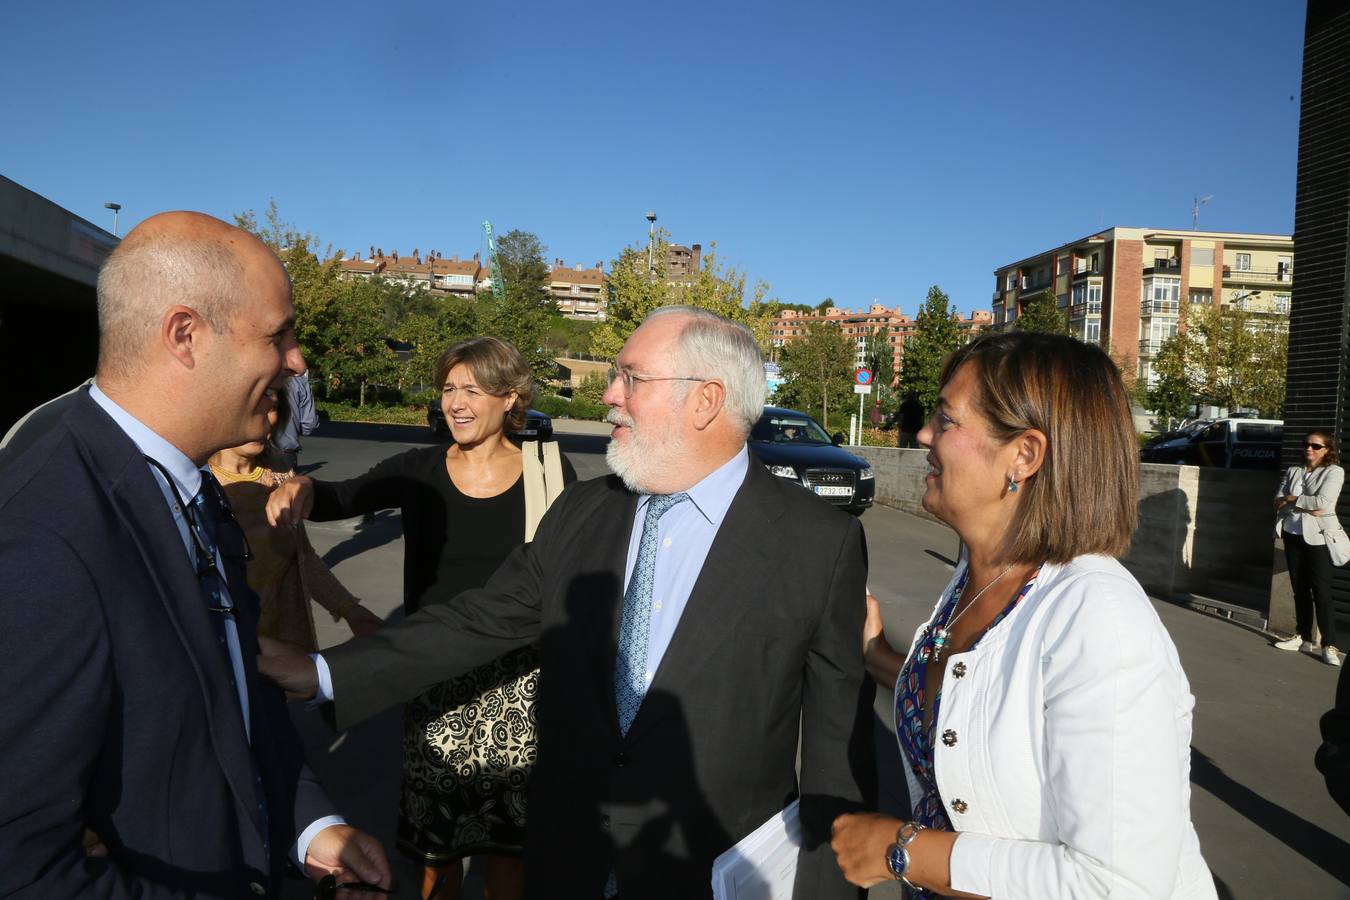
[[817, 371], [1226, 357], [1171, 396], [632, 293], [524, 272], [827, 303], [880, 357], [275, 232], [1044, 315], [525, 313], [936, 334]]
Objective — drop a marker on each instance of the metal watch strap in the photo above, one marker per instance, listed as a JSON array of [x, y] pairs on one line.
[[906, 833]]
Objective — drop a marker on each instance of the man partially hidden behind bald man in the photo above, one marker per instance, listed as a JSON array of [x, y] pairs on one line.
[[131, 700]]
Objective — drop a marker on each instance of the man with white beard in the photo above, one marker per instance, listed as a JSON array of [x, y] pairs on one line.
[[693, 613]]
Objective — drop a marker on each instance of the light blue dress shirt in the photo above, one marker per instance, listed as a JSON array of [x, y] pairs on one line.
[[685, 536], [187, 480]]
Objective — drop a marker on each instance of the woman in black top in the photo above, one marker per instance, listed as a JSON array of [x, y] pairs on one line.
[[468, 744]]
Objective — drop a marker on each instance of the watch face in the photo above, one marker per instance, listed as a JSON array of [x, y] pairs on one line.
[[897, 860]]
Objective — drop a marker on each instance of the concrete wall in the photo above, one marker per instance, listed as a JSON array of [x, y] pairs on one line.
[[1202, 531]]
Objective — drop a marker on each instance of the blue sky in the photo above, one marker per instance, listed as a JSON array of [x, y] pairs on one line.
[[857, 150]]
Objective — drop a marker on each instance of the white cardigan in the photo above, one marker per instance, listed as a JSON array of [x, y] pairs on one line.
[[1324, 485], [1063, 747]]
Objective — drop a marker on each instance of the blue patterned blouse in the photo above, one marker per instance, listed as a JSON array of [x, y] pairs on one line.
[[917, 741]]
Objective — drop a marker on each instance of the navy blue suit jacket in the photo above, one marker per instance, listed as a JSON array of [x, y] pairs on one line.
[[118, 713]]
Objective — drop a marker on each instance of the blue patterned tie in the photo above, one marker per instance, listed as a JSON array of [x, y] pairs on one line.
[[630, 666], [211, 513]]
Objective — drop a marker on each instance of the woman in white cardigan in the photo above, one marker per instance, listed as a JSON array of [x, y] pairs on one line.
[[1043, 716], [1306, 505]]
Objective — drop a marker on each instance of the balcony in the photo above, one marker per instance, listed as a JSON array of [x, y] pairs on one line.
[[1091, 308], [1087, 272], [1163, 266], [1161, 307], [1258, 276], [1149, 346]]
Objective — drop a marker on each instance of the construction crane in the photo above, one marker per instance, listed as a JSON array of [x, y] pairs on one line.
[[498, 283]]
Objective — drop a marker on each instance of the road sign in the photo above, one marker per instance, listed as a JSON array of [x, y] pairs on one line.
[[862, 389], [863, 376]]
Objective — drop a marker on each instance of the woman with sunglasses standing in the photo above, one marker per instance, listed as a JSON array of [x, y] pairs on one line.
[[1306, 505]]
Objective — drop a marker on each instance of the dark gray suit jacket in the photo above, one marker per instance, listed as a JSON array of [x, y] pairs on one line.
[[118, 713], [770, 638]]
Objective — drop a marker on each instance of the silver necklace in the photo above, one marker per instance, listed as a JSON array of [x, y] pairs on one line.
[[943, 633]]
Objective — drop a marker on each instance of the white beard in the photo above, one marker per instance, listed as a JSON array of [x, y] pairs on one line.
[[645, 458]]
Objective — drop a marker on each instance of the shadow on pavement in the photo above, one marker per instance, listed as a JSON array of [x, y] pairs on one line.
[[1319, 847], [374, 530]]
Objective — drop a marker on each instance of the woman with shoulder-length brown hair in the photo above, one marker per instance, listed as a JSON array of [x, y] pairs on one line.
[[1306, 508], [469, 743], [1043, 716]]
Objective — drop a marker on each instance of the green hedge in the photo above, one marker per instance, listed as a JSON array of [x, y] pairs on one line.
[[383, 415], [576, 408]]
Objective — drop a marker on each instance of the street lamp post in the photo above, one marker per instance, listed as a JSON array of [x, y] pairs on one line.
[[651, 241], [116, 208]]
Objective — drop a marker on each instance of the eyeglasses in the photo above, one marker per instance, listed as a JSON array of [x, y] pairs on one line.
[[631, 379], [327, 887], [1313, 445]]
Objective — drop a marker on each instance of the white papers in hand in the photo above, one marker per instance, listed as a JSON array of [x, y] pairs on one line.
[[763, 865]]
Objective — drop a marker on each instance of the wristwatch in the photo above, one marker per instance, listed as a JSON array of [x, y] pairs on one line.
[[897, 861], [897, 854]]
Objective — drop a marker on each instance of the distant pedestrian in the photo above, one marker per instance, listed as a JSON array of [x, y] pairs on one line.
[[303, 419], [1306, 504], [910, 416]]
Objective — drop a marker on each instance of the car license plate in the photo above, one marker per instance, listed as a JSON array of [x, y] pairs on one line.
[[827, 490], [527, 432]]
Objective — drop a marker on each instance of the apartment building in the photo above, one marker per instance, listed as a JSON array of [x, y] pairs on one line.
[[435, 273], [579, 292], [860, 325], [1127, 288]]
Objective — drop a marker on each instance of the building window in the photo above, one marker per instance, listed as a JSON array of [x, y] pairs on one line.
[[1284, 269], [1080, 294], [1062, 266], [1243, 262], [1201, 297], [1010, 281], [1282, 303], [1094, 297], [1092, 331], [1161, 295]]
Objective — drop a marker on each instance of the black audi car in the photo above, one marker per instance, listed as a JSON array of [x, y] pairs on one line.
[[792, 445], [538, 426]]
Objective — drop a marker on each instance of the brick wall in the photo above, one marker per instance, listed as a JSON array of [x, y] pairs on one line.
[[1127, 281]]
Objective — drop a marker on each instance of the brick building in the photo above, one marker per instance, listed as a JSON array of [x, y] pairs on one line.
[[860, 325], [1126, 288], [436, 274]]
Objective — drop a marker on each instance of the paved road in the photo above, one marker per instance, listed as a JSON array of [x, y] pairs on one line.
[[1266, 825]]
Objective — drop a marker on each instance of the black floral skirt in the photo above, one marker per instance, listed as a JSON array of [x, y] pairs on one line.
[[468, 748]]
